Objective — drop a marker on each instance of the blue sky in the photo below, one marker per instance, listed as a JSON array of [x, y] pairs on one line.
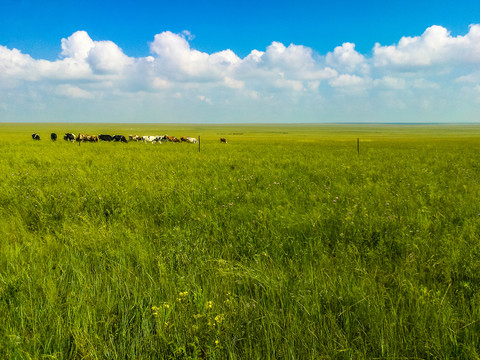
[[282, 61]]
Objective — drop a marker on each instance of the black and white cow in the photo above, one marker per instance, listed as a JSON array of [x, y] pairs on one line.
[[120, 138], [35, 137], [69, 137], [53, 136]]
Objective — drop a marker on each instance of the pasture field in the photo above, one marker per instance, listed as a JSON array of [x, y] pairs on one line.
[[282, 244]]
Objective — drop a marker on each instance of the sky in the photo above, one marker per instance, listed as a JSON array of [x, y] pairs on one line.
[[240, 62]]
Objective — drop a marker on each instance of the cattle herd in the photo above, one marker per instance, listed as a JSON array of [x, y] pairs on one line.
[[121, 138]]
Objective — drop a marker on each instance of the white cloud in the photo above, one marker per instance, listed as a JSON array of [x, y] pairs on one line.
[[205, 99], [233, 83], [105, 57], [434, 46], [280, 75], [470, 78], [348, 81], [423, 84], [173, 56], [289, 84], [77, 46], [73, 92], [390, 82], [346, 58], [14, 64]]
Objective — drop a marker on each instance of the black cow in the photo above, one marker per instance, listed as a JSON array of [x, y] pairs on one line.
[[104, 137], [35, 137], [53, 136], [119, 138], [69, 137]]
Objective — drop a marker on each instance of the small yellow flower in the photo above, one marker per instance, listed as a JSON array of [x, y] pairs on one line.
[[219, 318], [217, 342], [155, 314], [209, 304], [166, 306]]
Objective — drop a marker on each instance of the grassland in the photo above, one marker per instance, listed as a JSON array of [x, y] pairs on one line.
[[283, 243]]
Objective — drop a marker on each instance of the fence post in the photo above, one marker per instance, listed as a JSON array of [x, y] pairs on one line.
[[358, 146], [198, 143]]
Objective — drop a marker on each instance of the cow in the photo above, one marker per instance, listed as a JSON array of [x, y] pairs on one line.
[[152, 139], [35, 136], [105, 137], [53, 136], [119, 138], [134, 138], [82, 137], [148, 138], [191, 140], [69, 137], [86, 137], [171, 138], [223, 140]]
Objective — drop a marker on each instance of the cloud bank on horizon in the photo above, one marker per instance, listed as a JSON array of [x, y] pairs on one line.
[[432, 77]]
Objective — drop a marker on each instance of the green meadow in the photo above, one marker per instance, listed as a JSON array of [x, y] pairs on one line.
[[284, 243]]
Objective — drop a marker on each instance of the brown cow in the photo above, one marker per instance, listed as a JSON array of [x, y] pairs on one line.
[[86, 137], [82, 137], [223, 140], [134, 138]]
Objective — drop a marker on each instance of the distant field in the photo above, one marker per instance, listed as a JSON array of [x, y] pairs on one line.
[[283, 243]]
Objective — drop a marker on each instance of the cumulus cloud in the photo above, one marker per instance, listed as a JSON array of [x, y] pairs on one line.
[[107, 58], [278, 74], [434, 46], [346, 58], [174, 56], [14, 64], [77, 46]]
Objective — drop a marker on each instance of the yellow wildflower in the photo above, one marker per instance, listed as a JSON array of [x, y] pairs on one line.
[[209, 304], [217, 342]]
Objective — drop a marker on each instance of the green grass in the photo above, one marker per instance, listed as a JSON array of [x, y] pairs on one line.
[[283, 243]]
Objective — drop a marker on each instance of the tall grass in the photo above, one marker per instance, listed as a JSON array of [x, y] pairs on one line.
[[283, 243]]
